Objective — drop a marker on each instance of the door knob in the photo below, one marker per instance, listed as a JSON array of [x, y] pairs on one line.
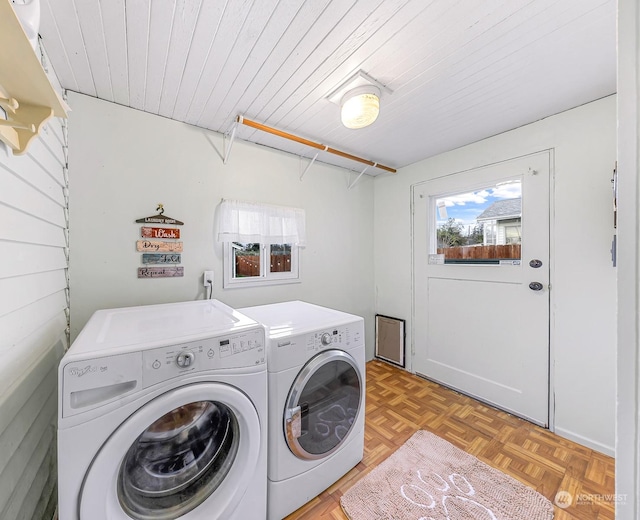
[[535, 286], [535, 263]]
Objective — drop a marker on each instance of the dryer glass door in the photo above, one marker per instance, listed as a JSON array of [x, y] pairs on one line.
[[323, 404], [178, 461]]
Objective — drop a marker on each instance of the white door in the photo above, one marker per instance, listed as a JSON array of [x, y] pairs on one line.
[[481, 313]]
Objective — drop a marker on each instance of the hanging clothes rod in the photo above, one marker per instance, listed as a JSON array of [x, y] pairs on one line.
[[301, 140]]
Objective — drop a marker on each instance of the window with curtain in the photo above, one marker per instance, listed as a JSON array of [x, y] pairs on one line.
[[261, 243]]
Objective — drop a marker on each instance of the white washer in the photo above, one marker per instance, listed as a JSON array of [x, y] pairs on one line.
[[162, 415], [316, 372]]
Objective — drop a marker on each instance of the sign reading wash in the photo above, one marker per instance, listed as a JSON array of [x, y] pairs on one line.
[[158, 232], [160, 252]]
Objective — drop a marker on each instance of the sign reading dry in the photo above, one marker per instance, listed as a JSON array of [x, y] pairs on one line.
[[158, 232], [160, 272], [157, 246]]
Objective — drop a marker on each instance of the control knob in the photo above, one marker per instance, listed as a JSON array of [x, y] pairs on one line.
[[185, 359], [325, 339]]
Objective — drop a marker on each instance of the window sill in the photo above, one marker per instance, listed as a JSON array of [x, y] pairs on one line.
[[257, 282]]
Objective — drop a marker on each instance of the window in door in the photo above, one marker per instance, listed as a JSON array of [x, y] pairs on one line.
[[483, 226]]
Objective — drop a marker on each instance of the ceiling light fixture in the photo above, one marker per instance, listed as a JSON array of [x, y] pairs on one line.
[[360, 106], [359, 99]]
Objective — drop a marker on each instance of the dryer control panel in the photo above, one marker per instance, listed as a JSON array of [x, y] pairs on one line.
[[233, 351], [344, 337], [290, 351]]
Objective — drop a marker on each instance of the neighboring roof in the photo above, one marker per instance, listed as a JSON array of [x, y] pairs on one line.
[[502, 209]]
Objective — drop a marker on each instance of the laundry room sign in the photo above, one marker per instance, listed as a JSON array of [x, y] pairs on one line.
[[167, 250]]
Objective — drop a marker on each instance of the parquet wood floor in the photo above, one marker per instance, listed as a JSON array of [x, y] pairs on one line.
[[399, 403]]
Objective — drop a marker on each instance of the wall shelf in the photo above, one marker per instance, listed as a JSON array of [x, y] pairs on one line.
[[26, 94]]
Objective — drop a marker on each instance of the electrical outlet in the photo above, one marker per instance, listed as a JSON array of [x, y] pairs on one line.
[[207, 279]]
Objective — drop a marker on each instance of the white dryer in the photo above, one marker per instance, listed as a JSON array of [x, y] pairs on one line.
[[162, 415], [316, 373]]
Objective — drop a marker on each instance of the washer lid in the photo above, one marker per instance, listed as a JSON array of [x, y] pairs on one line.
[[295, 317], [150, 324]]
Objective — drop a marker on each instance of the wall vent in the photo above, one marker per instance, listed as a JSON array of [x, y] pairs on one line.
[[390, 339]]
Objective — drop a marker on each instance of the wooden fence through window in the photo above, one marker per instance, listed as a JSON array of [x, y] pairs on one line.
[[249, 265], [501, 252]]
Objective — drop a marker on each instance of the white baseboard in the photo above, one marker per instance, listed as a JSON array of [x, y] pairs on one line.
[[585, 441]]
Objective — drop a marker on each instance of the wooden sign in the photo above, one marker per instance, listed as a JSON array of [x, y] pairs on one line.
[[159, 219], [153, 258], [158, 232], [160, 272], [158, 246]]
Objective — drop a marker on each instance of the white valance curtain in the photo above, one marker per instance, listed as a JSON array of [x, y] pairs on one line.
[[245, 222]]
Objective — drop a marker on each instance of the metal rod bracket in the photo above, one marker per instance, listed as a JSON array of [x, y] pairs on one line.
[[361, 174], [227, 149], [311, 163]]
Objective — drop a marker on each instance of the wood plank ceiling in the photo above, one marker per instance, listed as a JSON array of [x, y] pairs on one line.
[[459, 70]]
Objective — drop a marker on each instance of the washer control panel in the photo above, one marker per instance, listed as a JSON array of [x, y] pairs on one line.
[[234, 351], [185, 359], [91, 383]]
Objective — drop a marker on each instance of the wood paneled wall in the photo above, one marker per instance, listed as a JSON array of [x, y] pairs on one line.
[[33, 319]]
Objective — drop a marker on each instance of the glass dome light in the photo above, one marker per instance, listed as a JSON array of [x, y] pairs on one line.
[[360, 106]]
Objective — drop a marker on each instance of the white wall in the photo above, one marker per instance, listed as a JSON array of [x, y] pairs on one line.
[[33, 322], [628, 412], [124, 162], [583, 331]]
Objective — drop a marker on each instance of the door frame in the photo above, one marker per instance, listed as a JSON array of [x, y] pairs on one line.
[[439, 175], [628, 113]]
